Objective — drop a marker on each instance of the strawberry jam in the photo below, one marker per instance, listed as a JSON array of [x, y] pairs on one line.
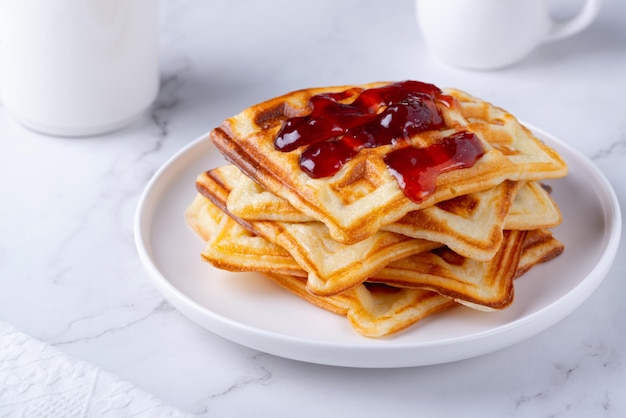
[[416, 169], [334, 132]]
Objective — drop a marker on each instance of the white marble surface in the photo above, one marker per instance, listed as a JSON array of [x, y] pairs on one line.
[[70, 276]]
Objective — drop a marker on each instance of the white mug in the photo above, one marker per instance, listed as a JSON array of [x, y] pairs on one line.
[[78, 67], [490, 34]]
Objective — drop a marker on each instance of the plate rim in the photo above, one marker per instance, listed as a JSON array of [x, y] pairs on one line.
[[340, 354]]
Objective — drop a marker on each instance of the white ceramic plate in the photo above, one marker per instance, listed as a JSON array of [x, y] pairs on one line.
[[250, 310]]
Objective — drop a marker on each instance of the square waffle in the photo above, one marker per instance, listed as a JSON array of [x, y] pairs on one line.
[[364, 195], [471, 225], [332, 267], [231, 247], [373, 309], [532, 207], [485, 285], [384, 202]]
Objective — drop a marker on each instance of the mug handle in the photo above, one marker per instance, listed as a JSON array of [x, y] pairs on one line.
[[569, 27], [1, 55]]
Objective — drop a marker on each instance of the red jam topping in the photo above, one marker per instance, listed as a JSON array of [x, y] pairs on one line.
[[334, 132], [416, 169]]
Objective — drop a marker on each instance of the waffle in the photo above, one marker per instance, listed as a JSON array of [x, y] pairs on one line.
[[231, 247], [384, 202], [332, 267], [539, 246], [487, 285], [373, 309], [471, 225], [364, 195], [532, 208], [381, 310]]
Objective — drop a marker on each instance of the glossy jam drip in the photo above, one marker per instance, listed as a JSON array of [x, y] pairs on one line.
[[416, 169], [334, 132]]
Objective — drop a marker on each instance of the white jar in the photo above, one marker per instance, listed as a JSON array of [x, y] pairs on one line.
[[78, 67]]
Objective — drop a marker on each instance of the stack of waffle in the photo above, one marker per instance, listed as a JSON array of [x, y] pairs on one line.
[[355, 242]]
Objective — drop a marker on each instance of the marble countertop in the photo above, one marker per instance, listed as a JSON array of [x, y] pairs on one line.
[[70, 275]]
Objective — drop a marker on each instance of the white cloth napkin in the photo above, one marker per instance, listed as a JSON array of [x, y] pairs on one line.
[[38, 380]]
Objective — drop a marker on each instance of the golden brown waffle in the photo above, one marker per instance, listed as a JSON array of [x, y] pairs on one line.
[[332, 267], [532, 159], [533, 208], [231, 247], [385, 202], [470, 225], [363, 195], [377, 311], [374, 310], [248, 200], [540, 246], [487, 285]]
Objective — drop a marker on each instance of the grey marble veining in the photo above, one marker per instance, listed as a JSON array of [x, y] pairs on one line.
[[70, 276]]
